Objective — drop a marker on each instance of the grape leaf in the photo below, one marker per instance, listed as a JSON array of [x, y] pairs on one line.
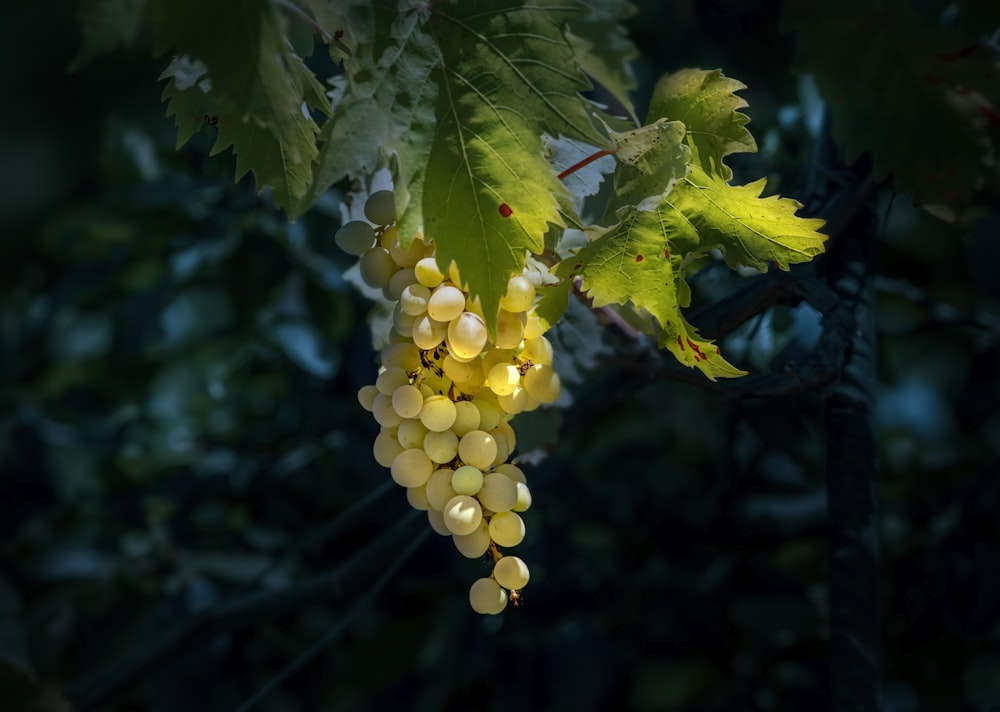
[[652, 159], [189, 96], [923, 101], [632, 262], [750, 230], [259, 85], [705, 101], [107, 25], [603, 50]]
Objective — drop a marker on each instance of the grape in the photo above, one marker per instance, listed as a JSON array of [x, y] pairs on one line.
[[477, 448], [403, 355], [520, 294], [407, 401], [355, 237], [411, 468], [408, 257], [498, 493], [512, 471], [504, 431], [466, 418], [441, 447], [446, 303], [411, 433], [437, 522], [383, 411], [377, 267], [457, 370], [517, 401], [511, 572], [467, 480], [486, 597], [462, 514], [427, 272], [503, 378], [439, 489], [417, 497], [533, 327], [538, 350], [380, 207], [510, 329], [523, 498], [542, 383], [386, 447], [390, 379], [413, 299], [466, 335], [399, 281], [475, 544], [387, 237], [438, 413], [366, 396], [506, 528], [489, 414], [428, 333]]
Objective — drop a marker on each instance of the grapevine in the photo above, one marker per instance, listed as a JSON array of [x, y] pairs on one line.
[[446, 391]]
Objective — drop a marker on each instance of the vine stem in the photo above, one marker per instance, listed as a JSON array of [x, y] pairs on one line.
[[333, 39], [589, 159]]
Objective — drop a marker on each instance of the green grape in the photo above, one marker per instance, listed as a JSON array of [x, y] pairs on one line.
[[506, 529], [486, 597], [542, 383], [413, 299], [512, 471], [538, 350], [386, 447], [436, 520], [505, 431], [446, 303], [417, 497], [498, 493], [511, 572], [390, 379], [384, 413], [523, 498], [411, 433], [355, 237], [457, 370], [475, 544], [466, 418], [407, 401], [441, 447], [403, 355], [477, 448], [428, 333], [408, 257], [380, 207], [503, 378], [366, 396], [462, 514], [533, 327], [411, 468], [438, 413], [428, 273], [520, 294], [439, 490], [467, 480], [402, 323], [517, 401], [510, 329], [377, 267], [466, 336], [399, 281], [489, 414]]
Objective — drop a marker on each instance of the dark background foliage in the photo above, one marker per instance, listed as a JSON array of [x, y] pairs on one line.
[[188, 501]]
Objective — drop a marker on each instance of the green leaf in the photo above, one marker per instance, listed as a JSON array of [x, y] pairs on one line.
[[260, 88], [456, 95], [107, 25], [603, 50], [705, 101], [632, 262], [705, 210], [651, 159], [924, 101], [189, 96], [553, 299]]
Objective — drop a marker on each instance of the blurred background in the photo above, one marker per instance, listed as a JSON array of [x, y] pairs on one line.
[[181, 445]]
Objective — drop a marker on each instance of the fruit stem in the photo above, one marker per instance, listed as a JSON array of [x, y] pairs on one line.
[[589, 159]]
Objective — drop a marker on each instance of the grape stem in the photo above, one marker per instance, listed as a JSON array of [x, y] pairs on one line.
[[589, 159], [333, 39]]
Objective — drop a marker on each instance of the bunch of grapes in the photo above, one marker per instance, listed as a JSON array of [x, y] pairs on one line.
[[445, 394]]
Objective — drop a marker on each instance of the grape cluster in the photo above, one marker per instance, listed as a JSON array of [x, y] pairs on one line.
[[445, 394]]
